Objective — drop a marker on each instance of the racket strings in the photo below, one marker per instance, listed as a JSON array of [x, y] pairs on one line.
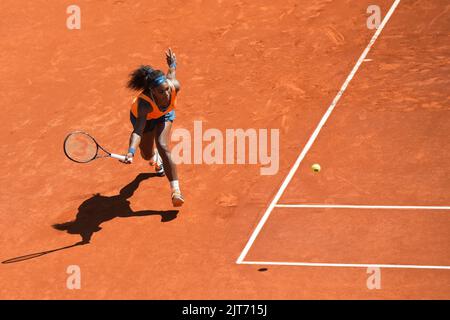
[[80, 147]]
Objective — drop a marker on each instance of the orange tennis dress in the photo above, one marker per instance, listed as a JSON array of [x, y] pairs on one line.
[[156, 112]]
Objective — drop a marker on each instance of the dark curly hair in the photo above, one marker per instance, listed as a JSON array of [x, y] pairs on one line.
[[143, 77]]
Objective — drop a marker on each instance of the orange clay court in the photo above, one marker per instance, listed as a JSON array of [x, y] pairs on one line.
[[370, 106]]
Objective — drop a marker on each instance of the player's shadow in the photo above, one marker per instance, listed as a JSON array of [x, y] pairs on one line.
[[98, 209]]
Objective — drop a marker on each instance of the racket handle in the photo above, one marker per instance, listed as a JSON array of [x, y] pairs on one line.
[[118, 156]]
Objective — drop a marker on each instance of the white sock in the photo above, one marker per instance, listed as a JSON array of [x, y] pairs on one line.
[[157, 158], [175, 185]]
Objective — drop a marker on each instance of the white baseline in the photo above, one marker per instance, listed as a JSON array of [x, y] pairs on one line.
[[346, 265], [352, 206]]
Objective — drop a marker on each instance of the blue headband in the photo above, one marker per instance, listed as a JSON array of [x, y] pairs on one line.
[[158, 81]]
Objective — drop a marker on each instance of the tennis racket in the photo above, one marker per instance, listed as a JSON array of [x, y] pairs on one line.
[[81, 147]]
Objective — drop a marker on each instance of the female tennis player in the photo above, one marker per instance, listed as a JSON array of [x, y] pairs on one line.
[[152, 114]]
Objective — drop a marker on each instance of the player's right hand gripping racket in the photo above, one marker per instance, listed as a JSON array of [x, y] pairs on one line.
[[82, 148]]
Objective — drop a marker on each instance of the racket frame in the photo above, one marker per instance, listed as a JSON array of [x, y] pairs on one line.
[[109, 154]]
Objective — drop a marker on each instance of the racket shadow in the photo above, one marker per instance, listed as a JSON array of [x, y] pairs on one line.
[[38, 254], [99, 209]]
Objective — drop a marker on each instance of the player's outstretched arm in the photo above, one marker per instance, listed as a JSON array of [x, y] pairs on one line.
[[135, 138], [172, 63]]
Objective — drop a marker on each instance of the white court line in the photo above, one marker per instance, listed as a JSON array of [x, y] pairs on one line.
[[345, 265], [351, 206], [314, 135]]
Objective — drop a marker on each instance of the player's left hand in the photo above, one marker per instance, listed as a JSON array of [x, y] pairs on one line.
[[171, 58]]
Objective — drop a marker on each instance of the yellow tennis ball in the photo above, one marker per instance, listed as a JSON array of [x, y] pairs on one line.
[[315, 167]]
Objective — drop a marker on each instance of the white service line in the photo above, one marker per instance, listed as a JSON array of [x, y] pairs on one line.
[[350, 206], [315, 134], [345, 265]]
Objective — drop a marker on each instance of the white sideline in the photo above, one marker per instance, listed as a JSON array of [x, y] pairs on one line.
[[315, 134]]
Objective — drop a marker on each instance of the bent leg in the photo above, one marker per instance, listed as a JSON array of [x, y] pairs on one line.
[[147, 140], [162, 136], [147, 145]]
